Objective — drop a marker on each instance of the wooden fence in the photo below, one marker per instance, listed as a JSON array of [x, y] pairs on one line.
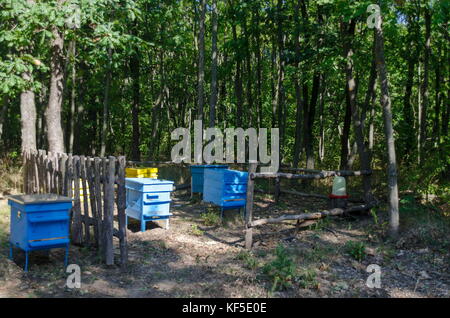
[[250, 223], [97, 186]]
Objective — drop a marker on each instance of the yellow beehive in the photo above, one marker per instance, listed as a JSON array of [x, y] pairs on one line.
[[136, 172], [142, 173]]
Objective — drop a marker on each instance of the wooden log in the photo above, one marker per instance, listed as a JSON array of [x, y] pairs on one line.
[[302, 194], [109, 211], [321, 175], [343, 173], [77, 232], [121, 206], [249, 207], [312, 216]]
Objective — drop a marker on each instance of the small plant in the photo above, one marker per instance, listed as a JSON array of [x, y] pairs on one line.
[[281, 270], [210, 219], [196, 231], [356, 250], [248, 259], [307, 279]]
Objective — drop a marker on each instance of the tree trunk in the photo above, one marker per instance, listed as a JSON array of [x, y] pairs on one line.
[[3, 107], [28, 117], [73, 94], [238, 82], [201, 60], [55, 134], [213, 99], [135, 73], [357, 122], [298, 97], [389, 132], [105, 117], [424, 87]]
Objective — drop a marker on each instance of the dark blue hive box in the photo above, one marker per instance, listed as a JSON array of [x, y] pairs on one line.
[[225, 188], [197, 176], [148, 200], [39, 222]]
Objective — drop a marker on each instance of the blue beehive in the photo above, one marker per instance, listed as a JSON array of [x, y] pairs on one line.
[[39, 222], [148, 200], [197, 173], [225, 188]]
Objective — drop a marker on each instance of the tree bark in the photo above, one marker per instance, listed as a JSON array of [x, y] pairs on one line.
[[213, 99], [135, 73], [389, 132], [28, 117], [105, 117], [298, 97], [201, 60], [55, 134], [424, 87], [3, 107], [357, 122]]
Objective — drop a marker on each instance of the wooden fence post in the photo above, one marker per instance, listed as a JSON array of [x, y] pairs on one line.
[[109, 181], [86, 217], [121, 206], [92, 199], [77, 222], [99, 201], [249, 206]]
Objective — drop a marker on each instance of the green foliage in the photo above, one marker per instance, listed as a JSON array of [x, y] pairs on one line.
[[282, 270], [196, 231], [356, 249], [211, 218], [248, 259], [307, 278]]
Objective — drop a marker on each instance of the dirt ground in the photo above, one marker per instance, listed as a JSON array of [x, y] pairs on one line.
[[194, 260]]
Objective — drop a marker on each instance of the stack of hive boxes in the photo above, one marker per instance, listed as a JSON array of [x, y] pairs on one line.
[[225, 188], [148, 200], [151, 173]]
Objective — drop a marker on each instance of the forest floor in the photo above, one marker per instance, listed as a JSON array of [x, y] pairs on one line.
[[192, 259]]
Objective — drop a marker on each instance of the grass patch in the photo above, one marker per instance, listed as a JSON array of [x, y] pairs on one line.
[[356, 250], [423, 225], [248, 259], [196, 231], [211, 218]]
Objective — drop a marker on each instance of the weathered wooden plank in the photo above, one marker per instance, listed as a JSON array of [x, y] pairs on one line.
[[109, 211], [92, 201], [99, 200], [83, 176], [121, 206], [77, 224]]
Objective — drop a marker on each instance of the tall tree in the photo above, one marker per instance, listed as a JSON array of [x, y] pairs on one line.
[[213, 98], [55, 135], [388, 130]]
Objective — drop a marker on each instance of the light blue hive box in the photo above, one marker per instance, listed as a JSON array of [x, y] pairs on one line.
[[225, 188], [148, 200]]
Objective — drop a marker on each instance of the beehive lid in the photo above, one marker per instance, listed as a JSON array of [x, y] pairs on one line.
[[147, 181], [210, 166], [39, 199]]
